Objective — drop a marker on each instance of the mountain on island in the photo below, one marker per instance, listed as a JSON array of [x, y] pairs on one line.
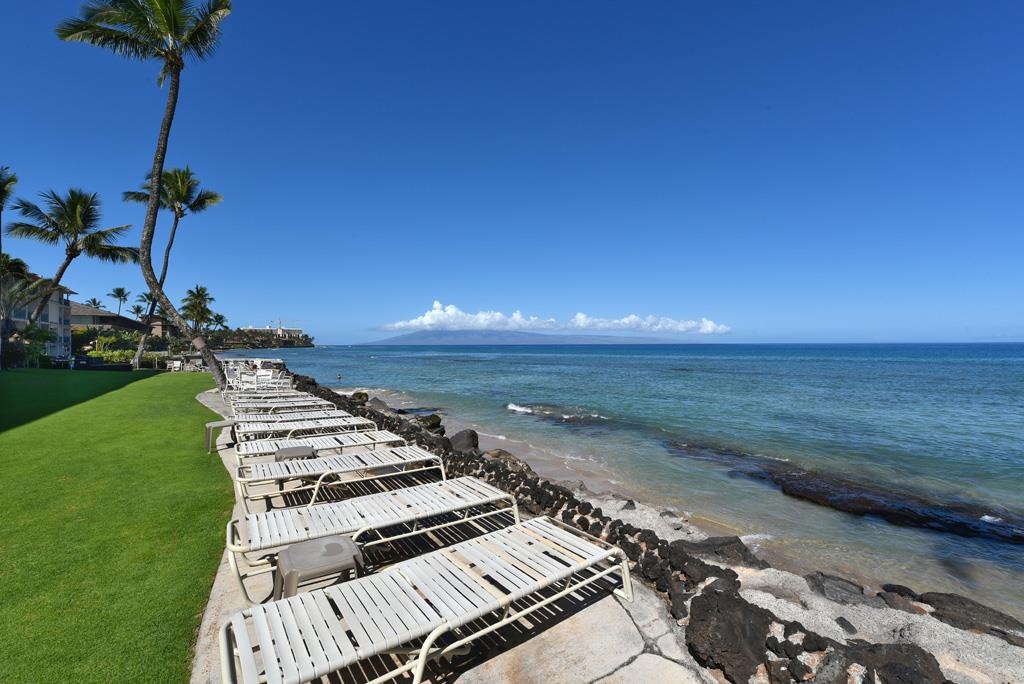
[[498, 337]]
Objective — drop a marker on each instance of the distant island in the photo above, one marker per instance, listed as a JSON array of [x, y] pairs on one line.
[[498, 337]]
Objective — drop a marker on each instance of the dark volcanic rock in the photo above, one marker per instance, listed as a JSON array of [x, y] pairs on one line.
[[964, 613], [359, 397], [846, 625], [839, 590], [813, 642], [898, 602], [431, 422], [798, 671], [629, 505], [778, 672], [727, 633], [905, 592], [727, 550], [897, 663], [465, 440], [678, 596]]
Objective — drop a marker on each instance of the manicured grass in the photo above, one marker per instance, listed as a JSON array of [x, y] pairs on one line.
[[112, 520], [26, 395]]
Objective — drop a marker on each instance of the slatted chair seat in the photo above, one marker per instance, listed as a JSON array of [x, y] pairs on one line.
[[293, 415], [467, 497], [289, 428], [311, 635], [334, 442], [350, 467], [288, 406]]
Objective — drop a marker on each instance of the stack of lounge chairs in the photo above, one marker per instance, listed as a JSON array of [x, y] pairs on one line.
[[381, 491]]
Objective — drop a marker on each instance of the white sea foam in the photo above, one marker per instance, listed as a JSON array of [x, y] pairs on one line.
[[753, 538], [991, 519], [519, 409]]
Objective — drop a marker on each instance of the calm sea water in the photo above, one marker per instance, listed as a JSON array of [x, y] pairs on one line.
[[944, 422]]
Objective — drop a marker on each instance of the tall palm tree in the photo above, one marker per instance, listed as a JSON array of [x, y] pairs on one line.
[[71, 220], [94, 303], [138, 311], [8, 179], [219, 321], [181, 195], [196, 306], [171, 32], [120, 295]]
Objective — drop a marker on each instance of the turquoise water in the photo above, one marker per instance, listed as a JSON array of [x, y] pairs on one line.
[[696, 427]]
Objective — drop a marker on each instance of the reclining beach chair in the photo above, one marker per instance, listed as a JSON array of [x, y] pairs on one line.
[[287, 406], [296, 428], [365, 518], [331, 471], [293, 415], [243, 395], [405, 609], [334, 442]]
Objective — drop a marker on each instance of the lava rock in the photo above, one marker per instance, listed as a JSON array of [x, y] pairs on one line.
[[678, 596], [650, 566], [430, 422], [798, 671], [585, 507], [897, 662], [905, 592], [814, 642], [727, 550], [778, 672], [839, 590], [727, 633], [898, 602], [964, 613], [630, 505], [792, 628], [465, 440], [846, 625]]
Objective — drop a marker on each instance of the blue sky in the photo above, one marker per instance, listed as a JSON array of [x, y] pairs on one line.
[[800, 171]]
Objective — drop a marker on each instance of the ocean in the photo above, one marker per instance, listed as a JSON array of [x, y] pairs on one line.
[[884, 463]]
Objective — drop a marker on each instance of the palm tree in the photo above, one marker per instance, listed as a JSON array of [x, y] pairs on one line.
[[138, 311], [120, 295], [219, 321], [94, 303], [180, 194], [171, 32], [14, 294], [12, 267], [8, 179], [196, 307], [71, 219]]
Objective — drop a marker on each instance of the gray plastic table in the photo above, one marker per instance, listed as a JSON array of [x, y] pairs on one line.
[[316, 559]]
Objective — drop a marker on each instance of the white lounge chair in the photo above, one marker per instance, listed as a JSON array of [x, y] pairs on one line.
[[406, 608], [362, 515], [335, 442], [294, 428], [290, 406], [294, 415], [360, 466]]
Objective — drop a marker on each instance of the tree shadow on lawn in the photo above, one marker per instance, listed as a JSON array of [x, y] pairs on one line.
[[29, 394]]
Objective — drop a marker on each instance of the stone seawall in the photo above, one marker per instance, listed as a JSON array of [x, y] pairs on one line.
[[704, 586]]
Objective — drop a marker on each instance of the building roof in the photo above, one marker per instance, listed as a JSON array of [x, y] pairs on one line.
[[85, 310], [107, 317]]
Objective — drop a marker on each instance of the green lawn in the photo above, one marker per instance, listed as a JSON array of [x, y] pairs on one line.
[[112, 521]]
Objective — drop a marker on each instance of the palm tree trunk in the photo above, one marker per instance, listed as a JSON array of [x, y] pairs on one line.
[[149, 228], [45, 299], [137, 361]]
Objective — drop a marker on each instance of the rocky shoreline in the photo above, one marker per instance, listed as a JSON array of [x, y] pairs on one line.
[[743, 620]]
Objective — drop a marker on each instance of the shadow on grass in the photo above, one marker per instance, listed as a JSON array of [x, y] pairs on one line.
[[28, 394]]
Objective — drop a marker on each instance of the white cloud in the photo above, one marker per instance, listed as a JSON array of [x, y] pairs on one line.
[[451, 317]]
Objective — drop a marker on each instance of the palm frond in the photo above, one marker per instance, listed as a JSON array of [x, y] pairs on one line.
[[8, 179], [117, 41], [203, 34], [114, 254], [204, 200], [31, 231], [136, 196]]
